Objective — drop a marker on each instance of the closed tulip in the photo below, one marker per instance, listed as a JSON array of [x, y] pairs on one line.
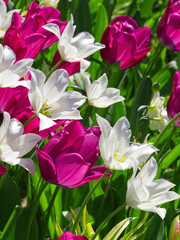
[[168, 31], [68, 158], [126, 42]]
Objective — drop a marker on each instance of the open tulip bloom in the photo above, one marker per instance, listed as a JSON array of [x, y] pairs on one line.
[[115, 148], [50, 101], [11, 72], [74, 49], [145, 193], [99, 95]]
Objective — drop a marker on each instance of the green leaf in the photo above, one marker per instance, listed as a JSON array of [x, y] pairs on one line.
[[142, 97], [9, 198], [82, 17], [155, 229], [13, 218], [118, 229], [171, 157], [146, 8]]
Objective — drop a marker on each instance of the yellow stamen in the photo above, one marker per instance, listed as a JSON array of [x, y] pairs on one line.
[[116, 156]]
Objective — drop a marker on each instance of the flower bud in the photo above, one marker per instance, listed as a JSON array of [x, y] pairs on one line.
[[174, 233]]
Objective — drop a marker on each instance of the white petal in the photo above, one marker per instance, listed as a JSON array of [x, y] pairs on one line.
[[7, 57], [21, 67], [52, 27], [56, 85], [68, 31], [15, 130], [8, 155], [3, 11], [45, 122], [28, 164], [4, 127], [25, 143]]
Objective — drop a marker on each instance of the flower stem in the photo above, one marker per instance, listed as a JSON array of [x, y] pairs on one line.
[[170, 124], [108, 219], [53, 69], [31, 118], [153, 60], [34, 209], [87, 199]]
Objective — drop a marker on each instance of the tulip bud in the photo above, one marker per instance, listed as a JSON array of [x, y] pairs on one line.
[[125, 42], [174, 233], [168, 30]]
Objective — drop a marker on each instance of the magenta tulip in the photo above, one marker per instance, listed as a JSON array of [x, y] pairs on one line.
[[125, 42], [27, 38], [68, 158], [173, 105], [168, 31]]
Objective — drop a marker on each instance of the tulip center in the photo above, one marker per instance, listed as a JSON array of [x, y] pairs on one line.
[[116, 157], [45, 110]]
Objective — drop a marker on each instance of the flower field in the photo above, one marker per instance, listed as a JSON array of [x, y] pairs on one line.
[[90, 120]]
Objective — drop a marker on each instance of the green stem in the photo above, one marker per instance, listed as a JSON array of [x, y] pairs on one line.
[[53, 69], [86, 200], [108, 219], [82, 109], [34, 209], [166, 128], [31, 118], [153, 60], [50, 208]]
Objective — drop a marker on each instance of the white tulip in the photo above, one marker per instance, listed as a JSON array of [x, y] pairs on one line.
[[74, 49], [115, 148], [14, 144], [99, 95], [50, 101], [145, 193], [10, 72], [157, 113]]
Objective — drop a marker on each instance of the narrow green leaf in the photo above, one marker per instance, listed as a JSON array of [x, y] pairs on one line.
[[118, 229], [171, 157]]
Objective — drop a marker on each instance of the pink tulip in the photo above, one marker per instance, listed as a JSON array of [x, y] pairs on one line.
[[173, 105], [27, 38], [168, 31], [125, 42], [68, 158]]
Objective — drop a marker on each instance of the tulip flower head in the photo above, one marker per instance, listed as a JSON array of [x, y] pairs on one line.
[[173, 104], [99, 95], [10, 72], [68, 158], [126, 42], [74, 49], [50, 101], [157, 113], [145, 193], [168, 30], [114, 145], [14, 144], [174, 233]]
